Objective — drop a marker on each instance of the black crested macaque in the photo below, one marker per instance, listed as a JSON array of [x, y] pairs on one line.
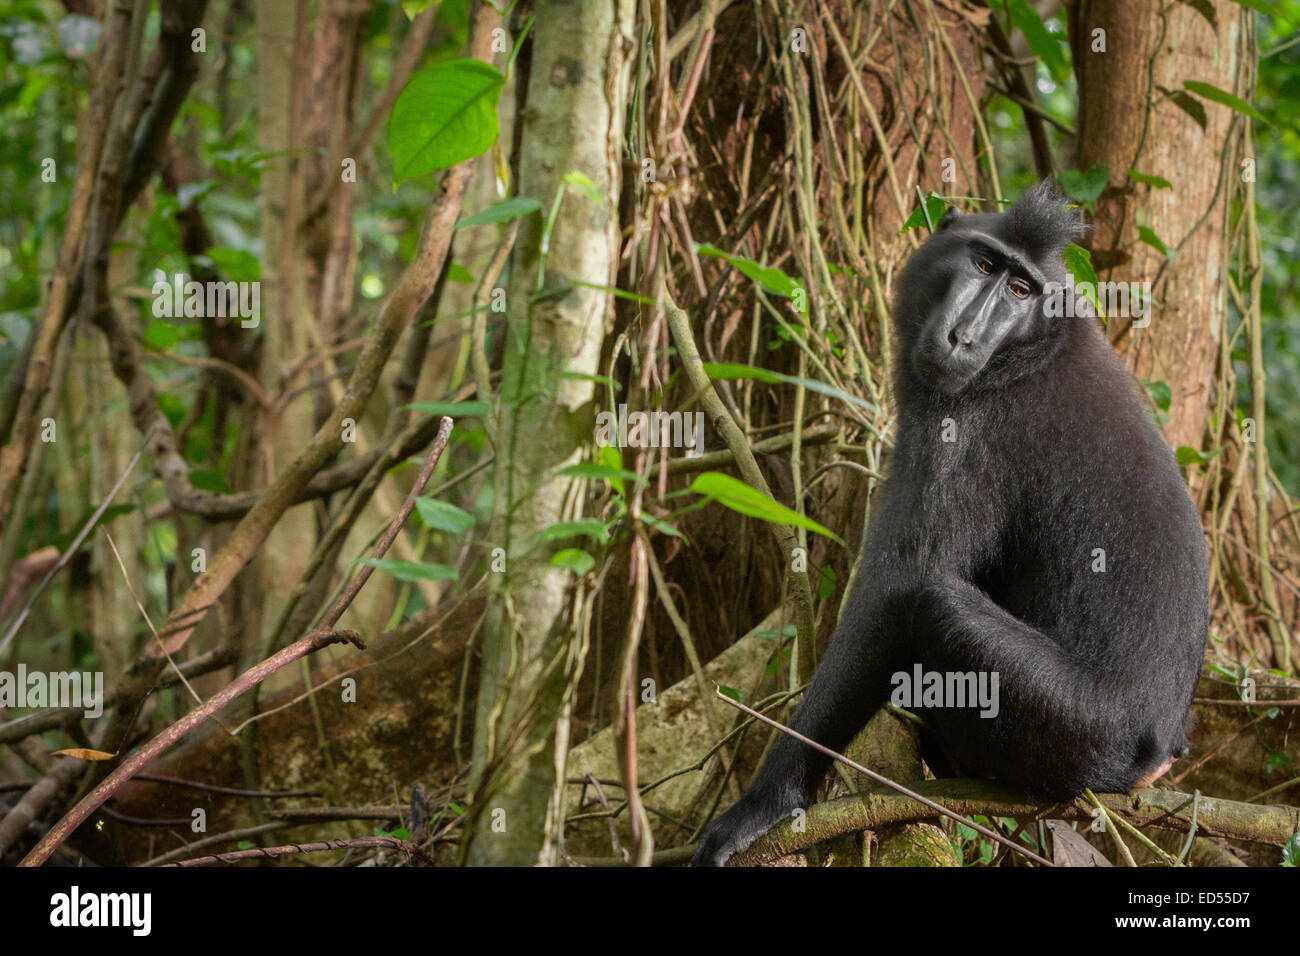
[[1034, 524]]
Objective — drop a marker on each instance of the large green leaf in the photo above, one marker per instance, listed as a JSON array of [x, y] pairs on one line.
[[442, 516], [1079, 261], [575, 559], [1086, 187], [1216, 95], [740, 497], [445, 115], [926, 213], [773, 280], [414, 570], [731, 370]]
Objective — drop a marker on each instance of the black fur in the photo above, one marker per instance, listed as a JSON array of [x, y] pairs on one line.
[[980, 553]]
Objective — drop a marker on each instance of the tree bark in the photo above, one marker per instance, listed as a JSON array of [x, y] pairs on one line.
[[1130, 119], [534, 645]]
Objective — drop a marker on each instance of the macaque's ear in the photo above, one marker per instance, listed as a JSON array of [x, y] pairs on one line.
[[946, 219]]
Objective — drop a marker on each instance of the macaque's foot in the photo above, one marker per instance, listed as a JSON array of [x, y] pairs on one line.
[[1153, 776]]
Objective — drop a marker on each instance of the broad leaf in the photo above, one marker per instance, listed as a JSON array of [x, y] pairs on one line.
[[741, 498], [414, 570], [1216, 95], [578, 561], [446, 114], [503, 211], [773, 280], [442, 516]]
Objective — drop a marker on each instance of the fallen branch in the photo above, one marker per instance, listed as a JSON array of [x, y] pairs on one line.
[[1166, 809]]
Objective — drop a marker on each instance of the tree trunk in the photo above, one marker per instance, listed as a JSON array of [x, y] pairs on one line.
[[533, 651], [1128, 122]]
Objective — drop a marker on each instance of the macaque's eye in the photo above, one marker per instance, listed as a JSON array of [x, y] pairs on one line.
[[1019, 287], [983, 265]]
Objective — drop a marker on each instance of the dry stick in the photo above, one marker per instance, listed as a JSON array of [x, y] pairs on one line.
[[242, 833], [880, 778], [322, 636], [273, 852], [72, 548]]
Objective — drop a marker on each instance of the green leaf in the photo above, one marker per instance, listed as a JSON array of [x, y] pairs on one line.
[[235, 265], [1046, 45], [1161, 395], [414, 570], [172, 407], [773, 280], [1259, 6], [733, 693], [458, 273], [161, 335], [741, 498], [1079, 261], [612, 458], [451, 409], [1187, 455], [663, 527], [1188, 104], [576, 560], [442, 516], [782, 654], [1144, 179], [583, 184], [413, 8], [1291, 852], [207, 479], [1223, 97], [569, 529], [732, 370], [503, 211], [826, 584], [446, 114], [616, 292], [926, 213], [1085, 187], [1151, 239]]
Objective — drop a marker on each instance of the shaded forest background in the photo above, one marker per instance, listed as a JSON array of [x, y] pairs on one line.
[[520, 216]]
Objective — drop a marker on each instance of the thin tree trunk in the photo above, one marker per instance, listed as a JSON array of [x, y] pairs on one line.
[[533, 646]]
